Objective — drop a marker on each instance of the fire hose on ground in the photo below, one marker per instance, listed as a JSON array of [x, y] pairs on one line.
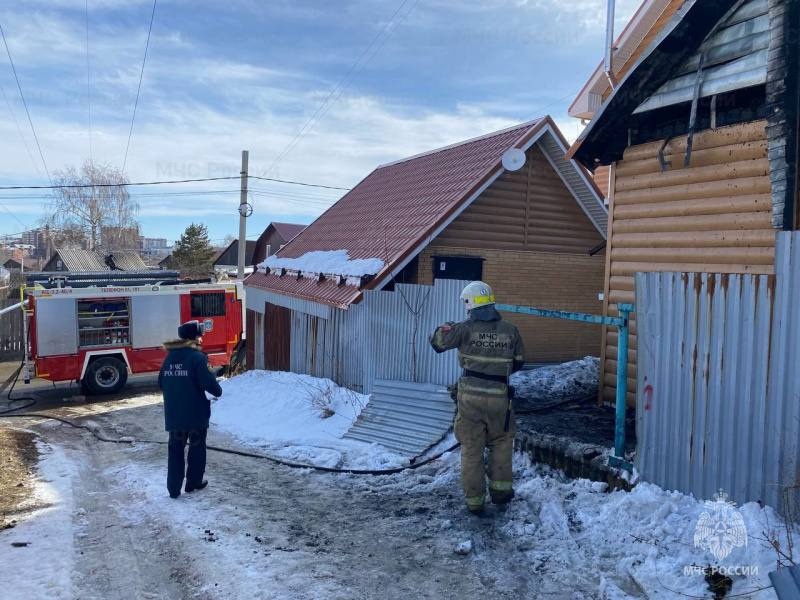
[[31, 401], [12, 413]]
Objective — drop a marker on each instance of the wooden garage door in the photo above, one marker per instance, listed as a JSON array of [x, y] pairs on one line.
[[277, 337]]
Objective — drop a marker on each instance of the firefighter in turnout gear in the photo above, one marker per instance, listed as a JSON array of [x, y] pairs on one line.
[[489, 350]]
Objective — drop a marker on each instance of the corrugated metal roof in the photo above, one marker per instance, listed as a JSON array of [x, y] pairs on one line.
[[394, 212], [76, 259], [80, 260], [306, 288], [407, 418], [786, 582], [129, 260]]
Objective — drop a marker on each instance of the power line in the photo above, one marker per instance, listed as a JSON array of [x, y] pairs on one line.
[[139, 88], [260, 194], [315, 185], [168, 182], [88, 84], [341, 85], [121, 184], [25, 104]]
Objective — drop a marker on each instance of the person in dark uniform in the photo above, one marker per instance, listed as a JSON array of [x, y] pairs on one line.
[[184, 380]]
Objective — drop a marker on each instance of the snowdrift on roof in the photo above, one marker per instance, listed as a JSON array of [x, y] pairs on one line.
[[329, 262]]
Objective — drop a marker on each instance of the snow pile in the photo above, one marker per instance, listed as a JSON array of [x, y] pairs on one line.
[[330, 262], [640, 543], [570, 380], [298, 417], [574, 539], [41, 566]]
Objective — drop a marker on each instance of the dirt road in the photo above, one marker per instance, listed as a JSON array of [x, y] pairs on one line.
[[264, 531]]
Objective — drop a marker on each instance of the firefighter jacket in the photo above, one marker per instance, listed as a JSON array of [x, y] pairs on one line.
[[184, 379], [489, 350]]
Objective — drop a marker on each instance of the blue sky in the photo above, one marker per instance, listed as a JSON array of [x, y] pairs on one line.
[[248, 74]]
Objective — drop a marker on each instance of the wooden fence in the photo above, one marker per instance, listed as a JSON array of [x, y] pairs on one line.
[[11, 342]]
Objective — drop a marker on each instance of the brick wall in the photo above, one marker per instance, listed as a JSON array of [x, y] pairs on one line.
[[544, 280]]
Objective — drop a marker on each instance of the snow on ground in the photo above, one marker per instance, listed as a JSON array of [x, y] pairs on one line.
[[43, 568], [570, 380], [298, 417], [331, 262], [583, 541], [642, 541]]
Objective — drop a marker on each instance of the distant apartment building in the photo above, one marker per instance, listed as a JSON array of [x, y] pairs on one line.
[[153, 244], [36, 241]]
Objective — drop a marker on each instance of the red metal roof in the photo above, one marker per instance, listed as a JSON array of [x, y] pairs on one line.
[[395, 209]]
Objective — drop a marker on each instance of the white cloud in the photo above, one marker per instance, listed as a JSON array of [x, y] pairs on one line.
[[199, 109]]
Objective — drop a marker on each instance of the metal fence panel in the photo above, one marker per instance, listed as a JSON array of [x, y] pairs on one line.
[[401, 322], [782, 413], [705, 416], [786, 582], [383, 337], [11, 342], [405, 417]]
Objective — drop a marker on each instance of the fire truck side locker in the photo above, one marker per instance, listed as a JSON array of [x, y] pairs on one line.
[[154, 319], [56, 330]]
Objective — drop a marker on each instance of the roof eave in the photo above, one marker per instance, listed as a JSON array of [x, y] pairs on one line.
[[605, 138]]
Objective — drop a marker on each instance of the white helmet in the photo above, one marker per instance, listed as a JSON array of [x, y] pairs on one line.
[[477, 294]]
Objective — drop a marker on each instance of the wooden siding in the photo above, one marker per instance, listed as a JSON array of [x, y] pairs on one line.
[[535, 241], [546, 280], [600, 177], [711, 217], [530, 209]]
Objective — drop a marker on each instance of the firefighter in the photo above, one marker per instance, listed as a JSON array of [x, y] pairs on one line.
[[184, 379], [489, 350]]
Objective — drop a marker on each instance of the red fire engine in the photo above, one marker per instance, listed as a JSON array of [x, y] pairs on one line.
[[98, 335]]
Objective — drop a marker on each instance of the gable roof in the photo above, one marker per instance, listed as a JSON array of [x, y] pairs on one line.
[[231, 253], [285, 231], [288, 231], [401, 206], [77, 259], [606, 135]]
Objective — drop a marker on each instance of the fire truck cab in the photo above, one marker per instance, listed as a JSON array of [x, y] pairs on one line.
[[98, 335]]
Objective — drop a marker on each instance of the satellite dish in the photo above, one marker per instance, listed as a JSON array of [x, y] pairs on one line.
[[513, 159]]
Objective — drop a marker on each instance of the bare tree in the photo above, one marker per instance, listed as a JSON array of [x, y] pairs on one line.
[[102, 210]]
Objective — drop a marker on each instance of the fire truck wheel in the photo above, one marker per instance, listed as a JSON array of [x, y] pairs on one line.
[[105, 376]]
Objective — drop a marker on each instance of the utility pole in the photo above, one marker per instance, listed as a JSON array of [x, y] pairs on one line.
[[244, 209]]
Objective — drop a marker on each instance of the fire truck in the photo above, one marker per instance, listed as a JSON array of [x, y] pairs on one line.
[[97, 331]]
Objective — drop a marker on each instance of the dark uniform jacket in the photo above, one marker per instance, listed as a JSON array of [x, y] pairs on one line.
[[487, 346], [185, 379]]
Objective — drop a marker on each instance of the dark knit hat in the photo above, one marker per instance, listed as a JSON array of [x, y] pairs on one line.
[[191, 330]]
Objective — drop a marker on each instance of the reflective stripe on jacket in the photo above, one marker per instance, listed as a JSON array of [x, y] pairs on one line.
[[486, 344]]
